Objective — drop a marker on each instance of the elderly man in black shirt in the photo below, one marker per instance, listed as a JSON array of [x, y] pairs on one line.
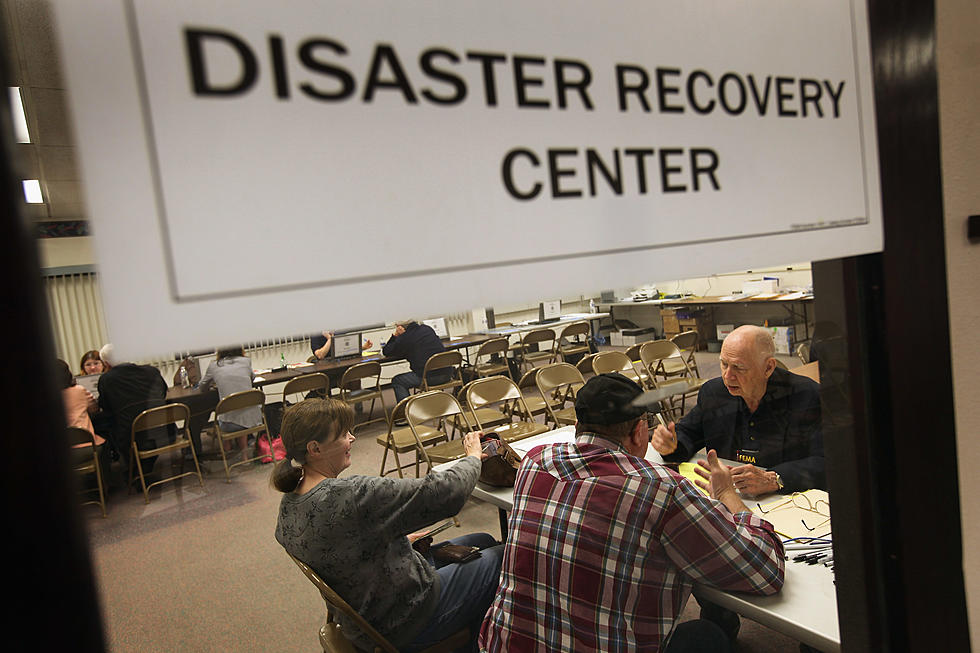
[[756, 414]]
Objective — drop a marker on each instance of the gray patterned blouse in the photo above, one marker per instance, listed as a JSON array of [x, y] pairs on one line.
[[352, 530]]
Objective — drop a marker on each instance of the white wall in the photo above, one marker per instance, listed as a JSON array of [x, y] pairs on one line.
[[958, 51]]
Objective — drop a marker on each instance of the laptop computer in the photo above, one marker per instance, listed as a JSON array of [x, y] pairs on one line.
[[346, 345]]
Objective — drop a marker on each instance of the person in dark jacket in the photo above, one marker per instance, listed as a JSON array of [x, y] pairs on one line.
[[416, 343], [125, 391]]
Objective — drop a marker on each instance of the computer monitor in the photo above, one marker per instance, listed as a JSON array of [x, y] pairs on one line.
[[90, 382], [438, 325], [549, 310], [346, 344]]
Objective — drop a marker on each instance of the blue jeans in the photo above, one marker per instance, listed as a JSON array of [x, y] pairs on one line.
[[403, 383], [468, 589]]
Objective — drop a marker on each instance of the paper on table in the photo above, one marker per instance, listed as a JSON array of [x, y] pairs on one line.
[[558, 436], [293, 366], [258, 378], [792, 295], [687, 471], [788, 518]]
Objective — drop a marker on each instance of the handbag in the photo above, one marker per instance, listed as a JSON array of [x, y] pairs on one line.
[[499, 469], [278, 448]]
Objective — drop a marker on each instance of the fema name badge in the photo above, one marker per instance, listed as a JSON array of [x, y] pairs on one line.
[[748, 456]]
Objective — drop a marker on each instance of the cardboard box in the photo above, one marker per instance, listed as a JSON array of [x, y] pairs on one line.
[[669, 316], [768, 286], [723, 330]]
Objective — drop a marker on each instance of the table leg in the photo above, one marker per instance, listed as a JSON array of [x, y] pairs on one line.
[[502, 516]]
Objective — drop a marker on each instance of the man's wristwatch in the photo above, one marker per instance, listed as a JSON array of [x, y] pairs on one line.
[[779, 482]]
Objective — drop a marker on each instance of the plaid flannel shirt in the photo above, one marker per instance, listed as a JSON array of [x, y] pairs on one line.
[[603, 548]]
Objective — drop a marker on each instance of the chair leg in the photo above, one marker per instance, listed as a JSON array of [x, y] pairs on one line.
[[197, 465], [224, 458], [139, 468], [98, 480]]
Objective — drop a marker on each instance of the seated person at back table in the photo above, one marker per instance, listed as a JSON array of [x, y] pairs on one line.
[[756, 414], [603, 546], [416, 343], [320, 344], [125, 391], [91, 363], [232, 372], [79, 404], [355, 532]]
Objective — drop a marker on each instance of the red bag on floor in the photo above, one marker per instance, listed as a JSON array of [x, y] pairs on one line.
[[278, 449]]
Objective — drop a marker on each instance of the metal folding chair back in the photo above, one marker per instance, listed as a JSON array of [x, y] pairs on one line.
[[437, 410], [688, 342], [557, 383], [402, 439], [606, 362], [238, 401], [361, 383], [301, 385], [574, 339], [160, 417], [537, 346], [500, 392], [80, 436], [451, 361], [491, 358]]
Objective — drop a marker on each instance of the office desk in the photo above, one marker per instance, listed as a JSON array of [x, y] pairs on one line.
[[805, 609], [793, 303]]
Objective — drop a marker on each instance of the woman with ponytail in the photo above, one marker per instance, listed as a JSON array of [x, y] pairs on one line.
[[353, 532]]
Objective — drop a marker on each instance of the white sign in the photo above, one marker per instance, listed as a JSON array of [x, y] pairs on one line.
[[257, 169]]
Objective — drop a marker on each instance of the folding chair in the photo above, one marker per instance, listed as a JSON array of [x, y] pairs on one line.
[[234, 402], [537, 346], [159, 418], [502, 392], [333, 639], [664, 360], [606, 362], [403, 440], [353, 393], [493, 354], [317, 382], [559, 382], [451, 361], [80, 436], [584, 365], [689, 342], [574, 341], [633, 353], [436, 410]]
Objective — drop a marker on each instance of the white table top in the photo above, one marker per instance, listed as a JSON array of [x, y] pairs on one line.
[[805, 609], [564, 320]]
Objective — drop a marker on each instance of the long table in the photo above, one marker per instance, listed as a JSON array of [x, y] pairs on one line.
[[795, 304], [563, 321], [805, 609]]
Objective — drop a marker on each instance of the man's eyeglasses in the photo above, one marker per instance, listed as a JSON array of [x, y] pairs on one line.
[[799, 500]]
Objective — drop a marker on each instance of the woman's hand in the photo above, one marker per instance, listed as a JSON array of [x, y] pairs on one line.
[[471, 444]]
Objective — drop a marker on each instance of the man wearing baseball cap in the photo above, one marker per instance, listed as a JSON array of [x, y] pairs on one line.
[[604, 546]]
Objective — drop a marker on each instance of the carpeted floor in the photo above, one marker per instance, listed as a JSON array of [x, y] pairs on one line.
[[198, 569]]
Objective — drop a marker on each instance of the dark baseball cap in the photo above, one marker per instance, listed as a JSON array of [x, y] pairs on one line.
[[608, 399]]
